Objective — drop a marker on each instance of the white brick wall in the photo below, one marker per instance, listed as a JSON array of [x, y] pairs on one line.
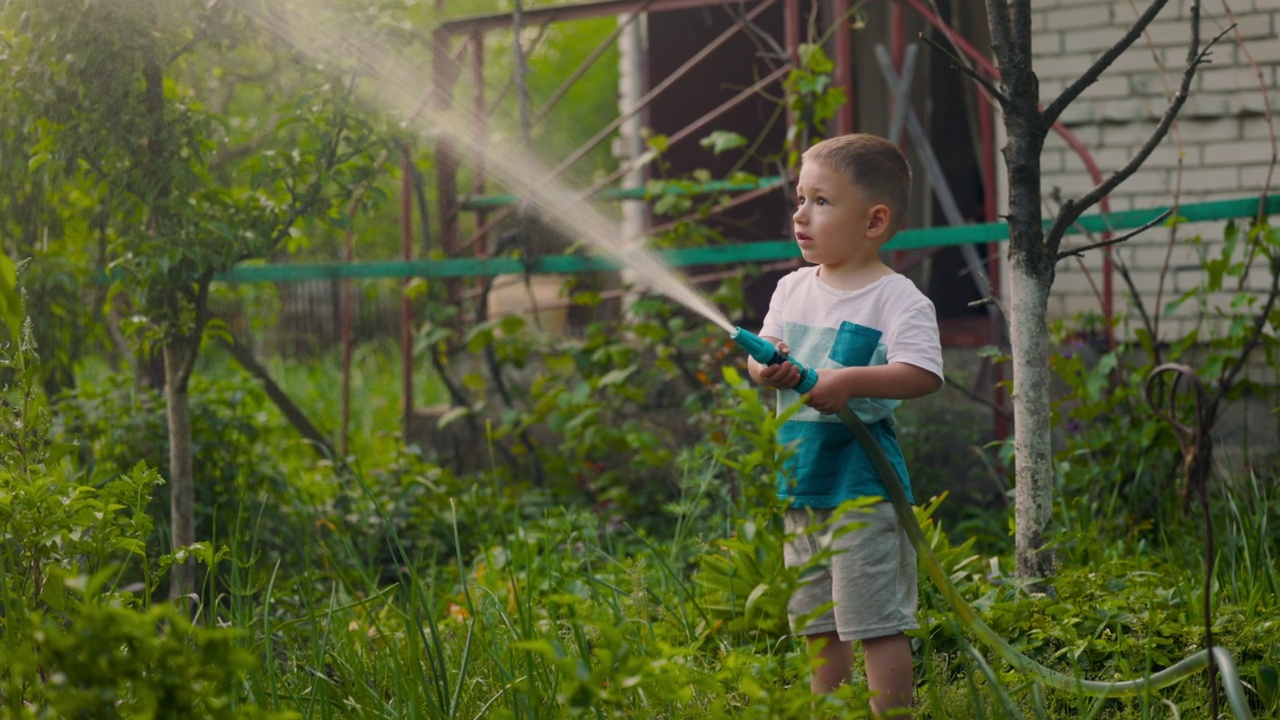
[[1222, 143]]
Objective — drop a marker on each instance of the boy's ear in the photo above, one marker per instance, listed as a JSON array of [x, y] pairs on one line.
[[878, 219]]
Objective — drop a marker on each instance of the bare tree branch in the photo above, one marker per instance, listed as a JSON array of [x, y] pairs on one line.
[[1080, 251], [952, 384], [1090, 76], [1020, 28], [186, 48], [1228, 376], [1001, 29], [190, 343], [243, 150], [963, 67], [1152, 324], [1084, 269], [1140, 306], [291, 411], [1072, 209], [982, 302]]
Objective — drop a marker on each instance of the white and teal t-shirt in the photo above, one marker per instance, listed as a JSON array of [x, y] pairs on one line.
[[886, 322]]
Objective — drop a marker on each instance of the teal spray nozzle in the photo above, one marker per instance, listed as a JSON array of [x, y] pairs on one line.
[[767, 353]]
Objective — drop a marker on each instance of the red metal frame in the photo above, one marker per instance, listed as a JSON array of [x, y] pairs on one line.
[[448, 202], [988, 68], [446, 71], [478, 180], [406, 306]]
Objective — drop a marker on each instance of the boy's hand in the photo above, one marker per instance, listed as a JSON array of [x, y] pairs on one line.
[[828, 396], [782, 376], [895, 381]]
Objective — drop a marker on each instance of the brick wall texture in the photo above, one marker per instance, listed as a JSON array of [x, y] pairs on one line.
[[1220, 148]]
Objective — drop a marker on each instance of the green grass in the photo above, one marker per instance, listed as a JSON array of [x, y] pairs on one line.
[[394, 589]]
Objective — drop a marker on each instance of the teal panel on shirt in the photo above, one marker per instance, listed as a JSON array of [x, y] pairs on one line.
[[856, 345], [829, 466], [817, 348]]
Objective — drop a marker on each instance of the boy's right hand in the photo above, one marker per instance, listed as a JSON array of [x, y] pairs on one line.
[[782, 376]]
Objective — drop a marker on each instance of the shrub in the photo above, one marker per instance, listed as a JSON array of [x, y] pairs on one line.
[[79, 640]]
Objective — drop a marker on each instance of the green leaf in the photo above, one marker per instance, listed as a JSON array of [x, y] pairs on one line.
[[55, 586], [540, 647], [760, 591], [731, 375], [416, 288], [57, 451], [722, 140], [10, 300], [1269, 680], [452, 416], [616, 377], [511, 324]]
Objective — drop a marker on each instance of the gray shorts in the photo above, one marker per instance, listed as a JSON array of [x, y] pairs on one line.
[[871, 578]]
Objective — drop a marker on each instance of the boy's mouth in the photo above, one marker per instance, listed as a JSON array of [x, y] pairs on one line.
[[803, 239]]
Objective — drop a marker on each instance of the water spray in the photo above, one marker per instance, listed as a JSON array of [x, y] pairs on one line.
[[766, 353]]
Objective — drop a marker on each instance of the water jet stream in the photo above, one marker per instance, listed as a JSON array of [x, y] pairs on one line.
[[334, 38]]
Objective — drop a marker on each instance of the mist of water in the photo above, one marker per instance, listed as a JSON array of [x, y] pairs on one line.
[[397, 85]]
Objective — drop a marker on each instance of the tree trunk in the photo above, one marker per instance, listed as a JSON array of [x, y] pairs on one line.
[[1031, 277], [181, 467], [1033, 454]]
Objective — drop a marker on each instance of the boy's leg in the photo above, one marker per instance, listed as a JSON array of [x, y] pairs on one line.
[[889, 675], [834, 662]]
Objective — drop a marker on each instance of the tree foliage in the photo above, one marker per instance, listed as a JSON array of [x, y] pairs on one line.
[[186, 178]]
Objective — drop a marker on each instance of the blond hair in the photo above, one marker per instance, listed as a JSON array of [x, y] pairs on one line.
[[873, 164]]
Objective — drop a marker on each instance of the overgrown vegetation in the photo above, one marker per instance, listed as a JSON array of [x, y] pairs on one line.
[[606, 544], [641, 576]]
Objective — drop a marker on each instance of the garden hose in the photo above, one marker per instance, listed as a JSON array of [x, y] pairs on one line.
[[1179, 671]]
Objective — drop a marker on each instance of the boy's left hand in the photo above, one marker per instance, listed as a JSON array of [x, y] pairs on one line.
[[827, 396]]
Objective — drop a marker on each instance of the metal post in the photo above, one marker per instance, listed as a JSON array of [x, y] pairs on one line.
[[406, 306], [478, 178], [791, 40], [443, 74], [845, 117], [348, 344], [522, 73]]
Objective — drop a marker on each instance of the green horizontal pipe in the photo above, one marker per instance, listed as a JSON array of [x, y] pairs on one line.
[[764, 251], [488, 202]]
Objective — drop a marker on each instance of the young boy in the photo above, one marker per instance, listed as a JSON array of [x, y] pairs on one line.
[[872, 336]]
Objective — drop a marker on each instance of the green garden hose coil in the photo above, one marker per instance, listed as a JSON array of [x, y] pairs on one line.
[[1231, 684]]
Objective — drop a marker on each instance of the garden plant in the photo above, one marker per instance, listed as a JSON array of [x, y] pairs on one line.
[[609, 544]]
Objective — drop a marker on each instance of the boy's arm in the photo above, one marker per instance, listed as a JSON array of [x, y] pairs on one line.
[[779, 377], [895, 381]]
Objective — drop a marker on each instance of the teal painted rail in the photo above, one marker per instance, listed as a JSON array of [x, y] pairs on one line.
[[764, 251], [488, 202]]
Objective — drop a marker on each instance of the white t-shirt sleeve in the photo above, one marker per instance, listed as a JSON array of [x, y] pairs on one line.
[[914, 339]]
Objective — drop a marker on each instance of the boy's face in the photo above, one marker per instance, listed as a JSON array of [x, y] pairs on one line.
[[833, 217]]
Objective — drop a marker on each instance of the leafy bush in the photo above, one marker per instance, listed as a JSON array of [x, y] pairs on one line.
[[79, 641], [238, 458], [602, 416]]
